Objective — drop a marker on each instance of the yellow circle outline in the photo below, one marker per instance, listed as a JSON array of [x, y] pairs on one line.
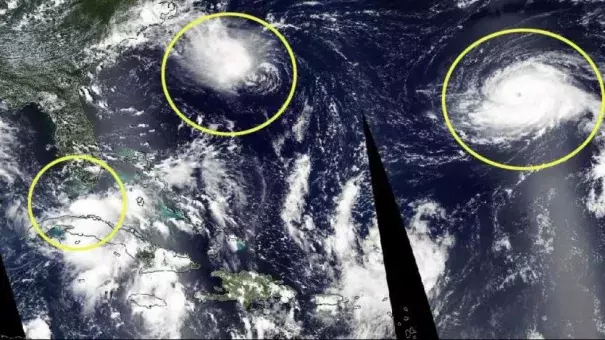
[[68, 158], [218, 15], [528, 167]]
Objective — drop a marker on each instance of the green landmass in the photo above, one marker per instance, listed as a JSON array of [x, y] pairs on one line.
[[43, 60], [80, 180], [146, 257], [247, 287], [194, 266], [97, 11]]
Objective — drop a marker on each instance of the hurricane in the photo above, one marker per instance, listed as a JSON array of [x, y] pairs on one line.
[[511, 91], [216, 58], [232, 57]]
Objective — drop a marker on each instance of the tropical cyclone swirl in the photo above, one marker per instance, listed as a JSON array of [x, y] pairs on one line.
[[273, 234], [524, 99], [518, 90], [231, 58], [233, 62]]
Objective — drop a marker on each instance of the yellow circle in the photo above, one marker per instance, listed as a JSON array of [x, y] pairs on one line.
[[528, 167], [218, 15], [68, 158]]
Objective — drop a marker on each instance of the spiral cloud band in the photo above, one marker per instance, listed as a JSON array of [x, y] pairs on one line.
[[523, 98]]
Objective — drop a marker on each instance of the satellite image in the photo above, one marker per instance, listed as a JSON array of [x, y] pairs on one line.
[[273, 233]]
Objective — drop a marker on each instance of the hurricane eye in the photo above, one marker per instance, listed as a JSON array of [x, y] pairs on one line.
[[526, 98]]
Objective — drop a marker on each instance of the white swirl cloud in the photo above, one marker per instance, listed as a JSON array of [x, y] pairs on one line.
[[228, 57], [215, 56], [523, 100]]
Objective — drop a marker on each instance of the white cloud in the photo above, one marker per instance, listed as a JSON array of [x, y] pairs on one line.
[[344, 230], [162, 321], [362, 282], [9, 169], [431, 252], [37, 328], [294, 204], [114, 265]]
